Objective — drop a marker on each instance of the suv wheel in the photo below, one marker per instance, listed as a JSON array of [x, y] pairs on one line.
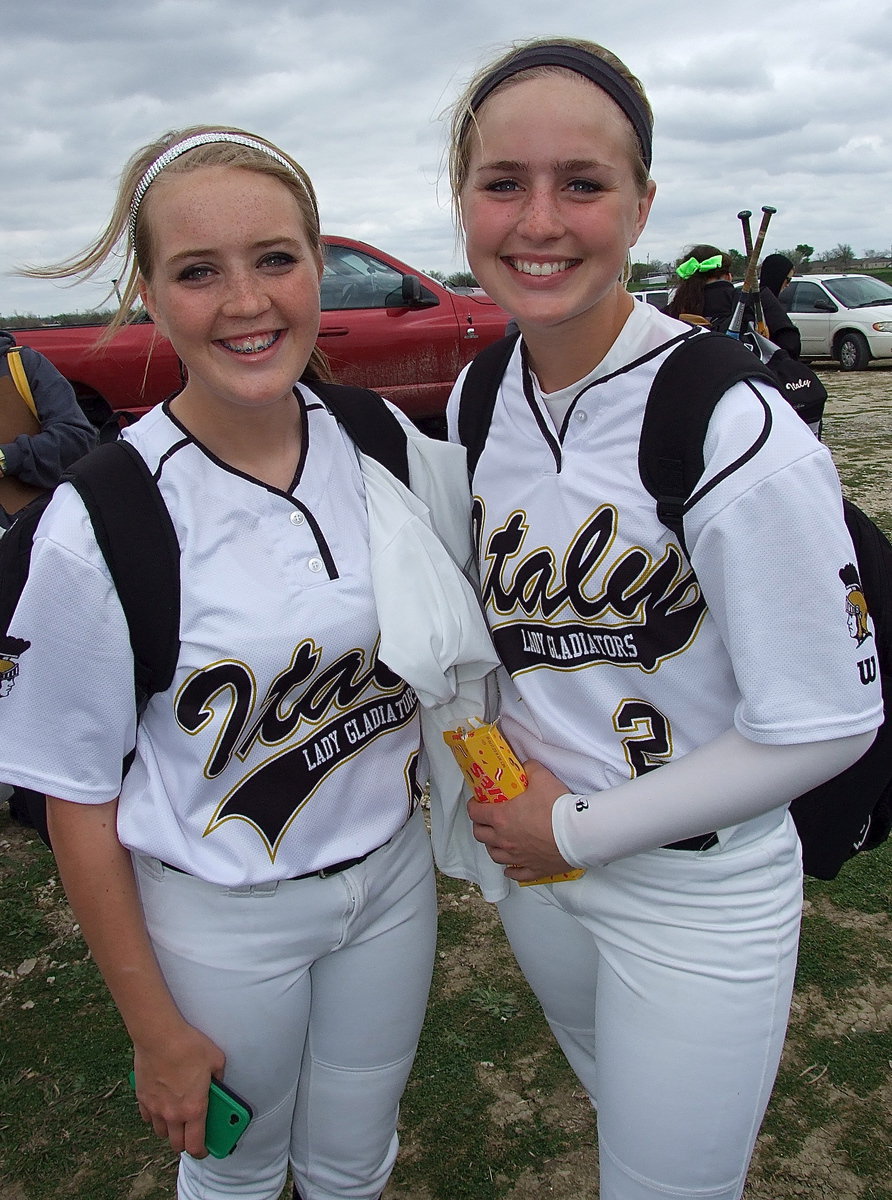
[[853, 352]]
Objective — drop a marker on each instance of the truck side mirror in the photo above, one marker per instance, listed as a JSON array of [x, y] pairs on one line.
[[412, 294]]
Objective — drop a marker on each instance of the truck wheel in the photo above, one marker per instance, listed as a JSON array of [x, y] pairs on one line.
[[853, 352]]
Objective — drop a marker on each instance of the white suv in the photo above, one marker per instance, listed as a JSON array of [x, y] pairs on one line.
[[846, 317], [659, 297]]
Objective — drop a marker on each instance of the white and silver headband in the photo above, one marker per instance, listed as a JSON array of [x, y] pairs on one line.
[[204, 139]]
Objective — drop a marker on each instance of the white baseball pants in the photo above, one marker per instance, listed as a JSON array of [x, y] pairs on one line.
[[666, 978], [315, 990]]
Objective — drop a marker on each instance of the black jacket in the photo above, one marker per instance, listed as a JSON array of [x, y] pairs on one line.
[[720, 300]]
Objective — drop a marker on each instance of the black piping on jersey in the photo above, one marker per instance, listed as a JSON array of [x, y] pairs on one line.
[[757, 445], [156, 474], [189, 437], [304, 436], [321, 544], [555, 444], [536, 409], [681, 337]]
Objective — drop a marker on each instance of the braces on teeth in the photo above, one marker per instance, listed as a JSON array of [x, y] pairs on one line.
[[252, 346]]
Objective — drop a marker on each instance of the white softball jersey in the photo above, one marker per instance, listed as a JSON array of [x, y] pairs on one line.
[[617, 658], [284, 744]]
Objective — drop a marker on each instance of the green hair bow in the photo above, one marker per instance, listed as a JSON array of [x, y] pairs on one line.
[[686, 269]]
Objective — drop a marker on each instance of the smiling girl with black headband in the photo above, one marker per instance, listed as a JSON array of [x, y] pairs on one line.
[[666, 971]]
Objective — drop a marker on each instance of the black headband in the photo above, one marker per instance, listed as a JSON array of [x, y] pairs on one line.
[[583, 63]]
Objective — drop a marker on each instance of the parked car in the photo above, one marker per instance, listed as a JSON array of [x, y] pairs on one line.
[[384, 325], [656, 296], [846, 317], [389, 327]]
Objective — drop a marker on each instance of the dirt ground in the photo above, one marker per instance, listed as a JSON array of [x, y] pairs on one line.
[[858, 430]]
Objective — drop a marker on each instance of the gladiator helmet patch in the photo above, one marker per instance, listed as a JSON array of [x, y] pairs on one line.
[[856, 605], [11, 648]]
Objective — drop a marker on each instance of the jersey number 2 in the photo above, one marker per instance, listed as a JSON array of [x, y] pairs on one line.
[[648, 743]]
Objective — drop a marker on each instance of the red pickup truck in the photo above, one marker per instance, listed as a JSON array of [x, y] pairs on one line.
[[384, 326]]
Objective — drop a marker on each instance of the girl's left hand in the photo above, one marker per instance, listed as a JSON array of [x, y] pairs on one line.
[[518, 833]]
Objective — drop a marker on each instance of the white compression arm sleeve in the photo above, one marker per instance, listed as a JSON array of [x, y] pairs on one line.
[[729, 780]]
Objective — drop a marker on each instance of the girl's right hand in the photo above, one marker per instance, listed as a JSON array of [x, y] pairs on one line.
[[173, 1061], [172, 1082]]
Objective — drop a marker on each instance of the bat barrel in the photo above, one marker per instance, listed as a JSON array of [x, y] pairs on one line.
[[749, 279], [744, 218]]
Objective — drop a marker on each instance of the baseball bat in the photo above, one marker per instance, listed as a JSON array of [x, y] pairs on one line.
[[749, 290], [744, 218]]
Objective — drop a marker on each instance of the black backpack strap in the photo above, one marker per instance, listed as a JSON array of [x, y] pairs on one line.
[[684, 393], [15, 557], [370, 424], [139, 543], [873, 552], [478, 395]]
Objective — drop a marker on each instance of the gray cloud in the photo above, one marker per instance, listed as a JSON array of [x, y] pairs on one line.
[[782, 106]]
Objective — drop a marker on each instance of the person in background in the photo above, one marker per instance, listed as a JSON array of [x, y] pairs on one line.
[[38, 459], [705, 290], [667, 703], [258, 892], [31, 463], [707, 296], [775, 274]]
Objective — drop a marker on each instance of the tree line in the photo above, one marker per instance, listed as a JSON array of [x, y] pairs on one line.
[[840, 258]]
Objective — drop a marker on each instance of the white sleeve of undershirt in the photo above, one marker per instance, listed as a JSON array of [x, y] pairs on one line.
[[729, 780]]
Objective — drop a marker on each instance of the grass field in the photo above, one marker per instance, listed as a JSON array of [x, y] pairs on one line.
[[491, 1111]]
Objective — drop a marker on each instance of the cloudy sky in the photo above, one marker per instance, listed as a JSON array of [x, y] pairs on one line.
[[784, 104]]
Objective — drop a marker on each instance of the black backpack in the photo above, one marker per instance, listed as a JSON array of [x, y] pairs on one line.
[[794, 379], [136, 536], [853, 811]]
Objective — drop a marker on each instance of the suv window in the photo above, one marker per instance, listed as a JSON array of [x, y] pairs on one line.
[[352, 279], [658, 298], [804, 297], [858, 291]]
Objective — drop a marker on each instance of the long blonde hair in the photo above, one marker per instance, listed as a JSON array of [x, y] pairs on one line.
[[137, 251]]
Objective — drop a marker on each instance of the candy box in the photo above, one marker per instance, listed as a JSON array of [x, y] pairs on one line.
[[488, 763], [493, 773]]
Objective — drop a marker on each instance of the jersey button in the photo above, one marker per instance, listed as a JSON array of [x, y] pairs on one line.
[[296, 518], [581, 417], [315, 565]]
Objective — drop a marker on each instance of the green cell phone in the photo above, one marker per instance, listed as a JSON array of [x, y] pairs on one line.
[[227, 1119]]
